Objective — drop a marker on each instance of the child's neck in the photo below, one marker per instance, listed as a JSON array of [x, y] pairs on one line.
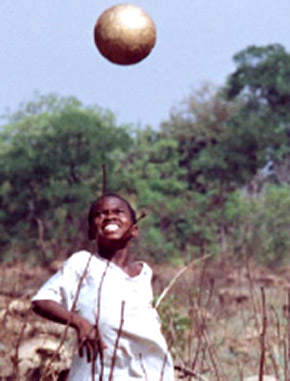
[[121, 258]]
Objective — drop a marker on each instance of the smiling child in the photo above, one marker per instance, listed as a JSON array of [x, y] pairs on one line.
[[107, 298]]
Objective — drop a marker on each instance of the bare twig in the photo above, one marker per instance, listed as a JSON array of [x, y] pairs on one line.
[[263, 336], [201, 281], [195, 316], [195, 357], [100, 349], [273, 354], [180, 272], [273, 309], [272, 357], [252, 292], [212, 355], [117, 342], [15, 357], [189, 372], [287, 340], [41, 241]]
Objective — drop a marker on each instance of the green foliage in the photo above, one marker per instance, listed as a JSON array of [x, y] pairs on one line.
[[52, 171], [200, 130], [261, 83], [259, 226], [186, 175], [262, 77]]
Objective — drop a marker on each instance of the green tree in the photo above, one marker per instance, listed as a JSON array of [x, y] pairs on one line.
[[262, 77], [259, 226], [206, 147], [52, 169], [151, 176], [261, 82], [181, 176]]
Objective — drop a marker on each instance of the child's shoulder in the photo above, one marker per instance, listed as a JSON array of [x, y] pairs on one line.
[[79, 256], [79, 260]]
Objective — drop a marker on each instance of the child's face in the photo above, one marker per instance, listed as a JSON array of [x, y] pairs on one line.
[[112, 219]]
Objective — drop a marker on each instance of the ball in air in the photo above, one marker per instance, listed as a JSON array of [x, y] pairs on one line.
[[125, 34]]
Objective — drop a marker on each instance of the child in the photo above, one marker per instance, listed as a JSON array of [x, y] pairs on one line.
[[107, 298]]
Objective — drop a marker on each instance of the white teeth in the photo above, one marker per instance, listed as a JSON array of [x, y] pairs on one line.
[[111, 227]]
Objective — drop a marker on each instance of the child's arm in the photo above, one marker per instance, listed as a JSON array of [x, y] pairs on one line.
[[88, 336]]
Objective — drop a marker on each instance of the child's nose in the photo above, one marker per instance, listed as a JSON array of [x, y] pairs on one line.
[[110, 214]]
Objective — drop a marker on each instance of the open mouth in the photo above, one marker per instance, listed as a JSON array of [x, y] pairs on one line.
[[111, 228]]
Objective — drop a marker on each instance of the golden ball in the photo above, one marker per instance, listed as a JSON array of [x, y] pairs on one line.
[[125, 34]]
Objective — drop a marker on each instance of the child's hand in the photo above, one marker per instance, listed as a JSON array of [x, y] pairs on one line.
[[89, 340]]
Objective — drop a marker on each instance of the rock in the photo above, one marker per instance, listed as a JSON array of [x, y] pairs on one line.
[[18, 327], [19, 307], [35, 354]]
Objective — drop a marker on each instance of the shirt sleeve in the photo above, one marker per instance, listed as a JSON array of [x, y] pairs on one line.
[[62, 287]]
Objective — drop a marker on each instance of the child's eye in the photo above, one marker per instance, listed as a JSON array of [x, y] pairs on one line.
[[119, 211]]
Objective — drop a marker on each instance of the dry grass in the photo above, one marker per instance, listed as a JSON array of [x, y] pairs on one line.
[[221, 322], [228, 323]]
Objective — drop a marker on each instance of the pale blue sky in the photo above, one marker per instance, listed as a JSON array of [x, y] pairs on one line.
[[47, 46]]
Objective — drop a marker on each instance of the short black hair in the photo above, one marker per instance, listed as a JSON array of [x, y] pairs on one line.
[[92, 212]]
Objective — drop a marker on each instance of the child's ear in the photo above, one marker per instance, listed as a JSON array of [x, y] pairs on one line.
[[134, 231]]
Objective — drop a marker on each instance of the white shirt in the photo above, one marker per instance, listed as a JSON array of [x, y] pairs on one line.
[[142, 352]]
